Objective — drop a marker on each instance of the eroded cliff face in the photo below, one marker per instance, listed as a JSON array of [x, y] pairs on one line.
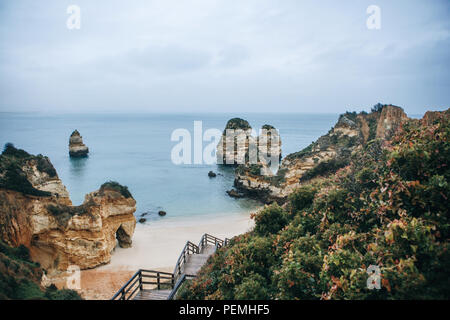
[[41, 216], [329, 153]]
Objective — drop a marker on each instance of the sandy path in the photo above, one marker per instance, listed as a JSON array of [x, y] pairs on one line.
[[156, 246]]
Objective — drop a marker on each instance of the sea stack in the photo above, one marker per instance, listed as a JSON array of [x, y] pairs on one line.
[[237, 152], [77, 149]]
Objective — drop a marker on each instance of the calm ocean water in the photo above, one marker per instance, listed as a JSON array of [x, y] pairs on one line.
[[135, 149]]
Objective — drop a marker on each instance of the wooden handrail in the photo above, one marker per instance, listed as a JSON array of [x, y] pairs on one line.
[[188, 249], [122, 290], [209, 239], [128, 291], [177, 286]]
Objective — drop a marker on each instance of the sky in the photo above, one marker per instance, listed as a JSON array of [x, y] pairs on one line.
[[223, 56]]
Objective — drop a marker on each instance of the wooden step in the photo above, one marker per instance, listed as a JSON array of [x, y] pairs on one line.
[[152, 295], [208, 249], [194, 263]]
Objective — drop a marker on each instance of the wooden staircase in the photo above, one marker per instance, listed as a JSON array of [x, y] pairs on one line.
[[157, 285]]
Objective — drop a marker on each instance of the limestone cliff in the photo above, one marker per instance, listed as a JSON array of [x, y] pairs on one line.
[[35, 211], [77, 148], [329, 153]]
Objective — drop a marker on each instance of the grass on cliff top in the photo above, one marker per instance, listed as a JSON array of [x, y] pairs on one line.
[[113, 185], [300, 154], [63, 213], [20, 278]]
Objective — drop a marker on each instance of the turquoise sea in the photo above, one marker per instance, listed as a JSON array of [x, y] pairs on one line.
[[135, 150]]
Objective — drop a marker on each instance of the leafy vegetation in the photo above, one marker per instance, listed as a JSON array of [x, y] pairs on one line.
[[351, 115], [305, 152], [20, 277], [12, 176], [11, 151], [378, 107], [388, 208], [63, 213], [324, 168], [277, 179], [113, 185], [237, 123]]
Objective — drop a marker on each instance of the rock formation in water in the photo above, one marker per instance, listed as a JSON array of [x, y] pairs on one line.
[[234, 149], [77, 148], [238, 146], [329, 153], [212, 174], [36, 211]]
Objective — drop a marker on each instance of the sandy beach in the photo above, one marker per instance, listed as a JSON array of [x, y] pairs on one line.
[[156, 246]]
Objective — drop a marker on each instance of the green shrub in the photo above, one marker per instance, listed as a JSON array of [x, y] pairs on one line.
[[302, 198], [300, 154], [253, 287], [237, 123], [63, 213], [270, 220], [254, 169], [10, 150], [44, 165], [52, 293], [324, 168], [15, 179], [12, 176], [20, 277], [113, 185]]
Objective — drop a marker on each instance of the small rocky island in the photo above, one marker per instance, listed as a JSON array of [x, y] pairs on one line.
[[258, 153], [77, 149]]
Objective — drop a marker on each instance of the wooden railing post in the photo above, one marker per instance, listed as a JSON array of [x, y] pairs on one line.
[[140, 281], [158, 280]]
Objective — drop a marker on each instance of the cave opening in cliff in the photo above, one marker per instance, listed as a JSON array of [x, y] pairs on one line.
[[123, 238]]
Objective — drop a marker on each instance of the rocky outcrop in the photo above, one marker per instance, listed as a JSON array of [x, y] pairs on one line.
[[329, 153], [77, 148], [389, 121], [234, 143], [431, 116], [35, 211], [238, 146]]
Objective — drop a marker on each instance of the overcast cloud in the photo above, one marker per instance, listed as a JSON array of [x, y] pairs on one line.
[[223, 55]]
